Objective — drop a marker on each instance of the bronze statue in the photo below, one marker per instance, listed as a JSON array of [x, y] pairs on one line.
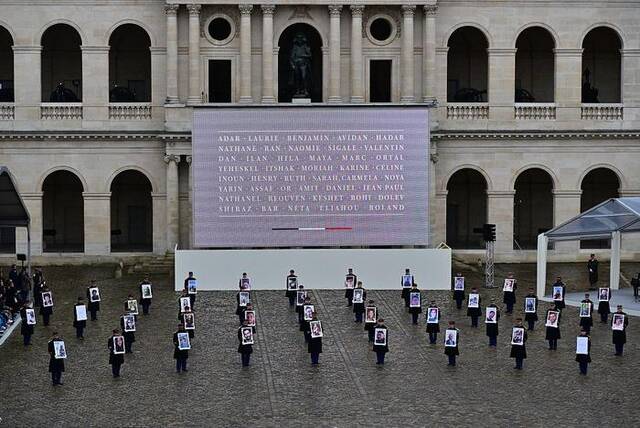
[[300, 62]]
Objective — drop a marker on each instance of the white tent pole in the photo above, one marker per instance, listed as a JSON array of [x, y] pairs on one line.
[[542, 264], [614, 268]]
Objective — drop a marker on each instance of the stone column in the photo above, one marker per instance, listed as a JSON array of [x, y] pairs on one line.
[[500, 213], [268, 95], [502, 74], [631, 90], [190, 190], [33, 204], [27, 86], [97, 223], [159, 205], [173, 210], [441, 86], [245, 53], [568, 83], [158, 81], [195, 96], [357, 86], [95, 86], [429, 53], [172, 53], [334, 53], [407, 93], [566, 205]]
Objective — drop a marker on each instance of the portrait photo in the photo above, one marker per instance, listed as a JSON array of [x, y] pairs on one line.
[[245, 298], [380, 337], [192, 286], [183, 341], [529, 305], [250, 317], [316, 329], [59, 350], [370, 314], [450, 338], [508, 284], [185, 304], [132, 306], [247, 335], [245, 284], [94, 294], [491, 315], [308, 312], [300, 296], [407, 281], [603, 294], [558, 293], [517, 336], [458, 283], [47, 299], [585, 310], [552, 319], [189, 321], [349, 282], [414, 300], [433, 315], [129, 323], [146, 291], [617, 323], [292, 283], [81, 312], [358, 295], [118, 344], [582, 345], [31, 316], [474, 300]]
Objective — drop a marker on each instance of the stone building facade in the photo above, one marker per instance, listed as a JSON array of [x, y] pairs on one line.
[[537, 111]]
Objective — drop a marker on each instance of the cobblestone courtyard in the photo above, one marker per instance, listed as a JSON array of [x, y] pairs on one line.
[[281, 388]]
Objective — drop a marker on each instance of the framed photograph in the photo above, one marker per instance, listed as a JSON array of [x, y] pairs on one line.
[[450, 338], [185, 304], [300, 296], [358, 295], [414, 300], [132, 306], [31, 316], [370, 314], [585, 310], [247, 335], [192, 286], [474, 300], [81, 312], [517, 336], [508, 284], [47, 299], [603, 294], [529, 305], [349, 282], [558, 293], [407, 281], [582, 345], [316, 329], [292, 283], [245, 284], [245, 298], [617, 323], [307, 312], [59, 350], [380, 337], [189, 321], [491, 315], [146, 291], [552, 319], [129, 323], [183, 342], [118, 345], [433, 315], [458, 283], [94, 294]]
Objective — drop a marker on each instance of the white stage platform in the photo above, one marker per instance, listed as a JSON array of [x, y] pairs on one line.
[[622, 297], [316, 268]]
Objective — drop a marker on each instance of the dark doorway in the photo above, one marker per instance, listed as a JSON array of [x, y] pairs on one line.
[[533, 208], [61, 68], [8, 240], [597, 186], [380, 81], [129, 65], [466, 209], [219, 81], [131, 212], [285, 76], [62, 213]]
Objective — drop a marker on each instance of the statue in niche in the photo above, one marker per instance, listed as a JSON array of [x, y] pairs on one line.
[[300, 62]]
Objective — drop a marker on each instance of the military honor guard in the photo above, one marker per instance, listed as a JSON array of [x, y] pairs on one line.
[[116, 347], [80, 318], [592, 270], [433, 322], [583, 351], [619, 324], [451, 341], [57, 354], [145, 295], [380, 341], [509, 292], [586, 311], [531, 309], [491, 318], [93, 299], [518, 346]]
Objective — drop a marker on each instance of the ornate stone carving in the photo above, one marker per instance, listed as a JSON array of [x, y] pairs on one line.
[[300, 12], [189, 159], [245, 9], [171, 9], [408, 9], [268, 9], [171, 158], [194, 9], [335, 9], [430, 9], [391, 13], [357, 9]]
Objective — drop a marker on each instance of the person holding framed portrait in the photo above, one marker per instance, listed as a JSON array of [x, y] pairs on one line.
[[303, 321], [58, 354], [250, 316], [350, 281], [291, 284], [244, 282], [531, 309], [131, 305], [46, 310], [583, 351], [552, 324], [314, 347], [180, 352], [93, 299], [586, 309], [559, 291], [116, 347], [604, 296], [509, 292], [128, 326], [80, 318], [415, 303], [458, 290], [145, 295], [301, 296], [189, 322], [406, 282], [619, 324], [358, 298], [491, 318], [518, 347], [380, 341], [191, 287], [242, 299], [473, 306], [244, 347], [370, 319], [433, 322], [451, 342], [28, 321], [184, 302]]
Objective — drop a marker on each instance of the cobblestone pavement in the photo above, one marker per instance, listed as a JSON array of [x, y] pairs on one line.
[[280, 388]]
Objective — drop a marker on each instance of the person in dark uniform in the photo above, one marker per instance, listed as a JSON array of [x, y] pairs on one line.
[[304, 326], [314, 347], [587, 322], [46, 311], [38, 285], [126, 304], [452, 351], [415, 311], [291, 292], [25, 329], [509, 297], [358, 308], [405, 289], [474, 313], [348, 292], [381, 350], [93, 307], [180, 355], [620, 336], [584, 359], [299, 308], [552, 334], [592, 269], [368, 325], [56, 365], [560, 303], [531, 317], [192, 332], [458, 295], [492, 328], [192, 296], [519, 352], [129, 336], [604, 309], [244, 350], [145, 301], [433, 328], [116, 360], [240, 309], [79, 324]]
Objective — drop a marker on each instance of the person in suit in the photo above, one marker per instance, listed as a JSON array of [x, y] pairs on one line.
[[519, 352], [180, 355], [314, 347], [452, 351], [93, 307], [405, 289], [552, 334], [587, 322], [145, 301], [458, 295], [56, 365], [584, 359], [492, 328], [415, 311], [304, 324], [25, 329], [474, 313], [381, 350], [604, 309], [348, 292], [38, 285], [620, 336], [509, 297], [192, 296], [560, 305], [531, 317], [290, 293], [358, 308], [244, 350], [240, 309], [45, 311], [592, 269], [126, 304], [79, 324], [129, 336], [433, 328], [181, 317], [116, 360], [369, 326]]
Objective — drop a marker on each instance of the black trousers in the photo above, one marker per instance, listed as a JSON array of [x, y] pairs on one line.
[[79, 330], [56, 377], [115, 369], [94, 315], [45, 319], [145, 306]]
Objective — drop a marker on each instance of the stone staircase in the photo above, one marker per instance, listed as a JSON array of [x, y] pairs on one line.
[[159, 265]]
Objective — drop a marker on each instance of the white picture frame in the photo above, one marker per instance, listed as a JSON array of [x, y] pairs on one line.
[[508, 284], [530, 305], [94, 294], [47, 299], [192, 286], [300, 296], [582, 345], [585, 310], [189, 321], [246, 333], [129, 322], [81, 312], [491, 315], [604, 294], [474, 300], [146, 291], [552, 319], [31, 316], [292, 283], [517, 336], [184, 344], [370, 315], [617, 322], [433, 315], [407, 281], [415, 300], [450, 338], [244, 299], [59, 350], [380, 337], [185, 304], [118, 345], [458, 283], [245, 284], [349, 282], [316, 329], [307, 312], [558, 293], [132, 306], [358, 295]]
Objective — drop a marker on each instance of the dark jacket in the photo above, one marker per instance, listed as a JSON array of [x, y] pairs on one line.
[[114, 358], [452, 350], [54, 363], [416, 310], [77, 323], [520, 351], [531, 316], [179, 353], [25, 329], [552, 333], [585, 357], [381, 348], [475, 312], [243, 349], [620, 336], [492, 329], [92, 306]]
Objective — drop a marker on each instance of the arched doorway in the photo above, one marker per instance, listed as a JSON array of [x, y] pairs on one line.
[[466, 209], [535, 66], [62, 213], [61, 64], [467, 66], [6, 66], [597, 186], [601, 66], [129, 65], [532, 207], [131, 212], [285, 75]]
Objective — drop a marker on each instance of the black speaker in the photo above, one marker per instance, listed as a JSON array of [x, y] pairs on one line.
[[489, 232], [21, 257]]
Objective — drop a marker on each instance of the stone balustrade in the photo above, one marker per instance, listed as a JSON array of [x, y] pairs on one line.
[[6, 111], [534, 111], [61, 111], [471, 111], [130, 111], [601, 111]]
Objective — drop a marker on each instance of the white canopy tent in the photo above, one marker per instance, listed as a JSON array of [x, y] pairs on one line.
[[608, 220]]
